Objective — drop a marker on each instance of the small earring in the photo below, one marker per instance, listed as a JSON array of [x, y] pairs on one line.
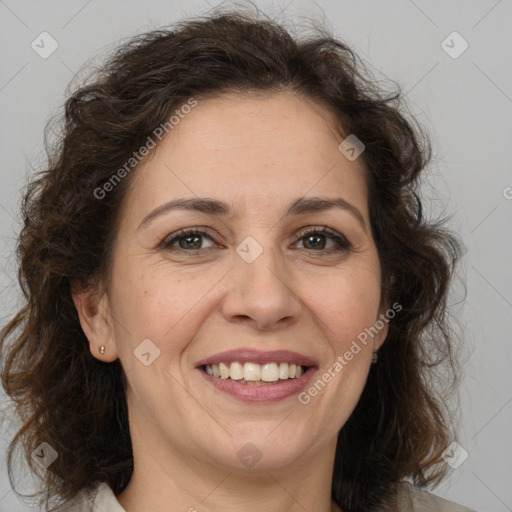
[[375, 357], [102, 349]]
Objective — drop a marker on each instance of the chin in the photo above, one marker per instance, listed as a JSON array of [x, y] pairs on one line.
[[264, 448]]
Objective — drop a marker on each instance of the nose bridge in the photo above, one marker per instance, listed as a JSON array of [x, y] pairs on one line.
[[261, 289]]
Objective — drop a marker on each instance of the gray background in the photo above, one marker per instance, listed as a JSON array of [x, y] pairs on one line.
[[465, 103]]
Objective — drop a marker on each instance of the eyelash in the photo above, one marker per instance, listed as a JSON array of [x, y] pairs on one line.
[[342, 243]]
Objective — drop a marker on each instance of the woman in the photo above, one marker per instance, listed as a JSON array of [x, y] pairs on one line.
[[233, 300]]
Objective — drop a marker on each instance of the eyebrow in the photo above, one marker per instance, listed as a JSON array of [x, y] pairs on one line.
[[209, 206]]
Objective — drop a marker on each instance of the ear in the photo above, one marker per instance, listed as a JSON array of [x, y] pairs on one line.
[[385, 314], [380, 337], [92, 305]]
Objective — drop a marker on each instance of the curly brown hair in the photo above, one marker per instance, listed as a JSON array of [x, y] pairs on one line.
[[68, 398]]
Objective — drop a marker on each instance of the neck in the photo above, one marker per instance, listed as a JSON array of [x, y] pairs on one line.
[[198, 486]]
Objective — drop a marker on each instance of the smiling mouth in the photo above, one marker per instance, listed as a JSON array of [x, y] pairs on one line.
[[254, 374]]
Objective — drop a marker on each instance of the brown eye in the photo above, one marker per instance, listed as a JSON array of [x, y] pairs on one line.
[[315, 240], [188, 240]]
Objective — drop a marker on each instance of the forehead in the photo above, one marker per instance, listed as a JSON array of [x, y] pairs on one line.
[[262, 150]]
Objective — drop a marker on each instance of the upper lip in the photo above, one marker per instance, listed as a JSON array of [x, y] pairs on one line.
[[245, 355]]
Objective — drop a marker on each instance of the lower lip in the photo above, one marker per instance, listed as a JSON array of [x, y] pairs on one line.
[[260, 392]]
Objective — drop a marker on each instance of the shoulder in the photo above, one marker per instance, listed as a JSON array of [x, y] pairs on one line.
[[99, 498], [412, 498]]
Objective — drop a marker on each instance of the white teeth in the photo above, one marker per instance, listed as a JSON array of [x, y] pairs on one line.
[[254, 372], [269, 372], [236, 371], [224, 371]]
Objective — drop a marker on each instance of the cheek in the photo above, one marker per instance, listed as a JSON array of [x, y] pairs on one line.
[[156, 307], [162, 304], [348, 304]]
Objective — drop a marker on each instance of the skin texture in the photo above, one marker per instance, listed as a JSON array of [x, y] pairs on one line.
[[259, 153]]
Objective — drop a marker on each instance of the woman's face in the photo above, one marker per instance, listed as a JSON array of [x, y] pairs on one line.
[[253, 280]]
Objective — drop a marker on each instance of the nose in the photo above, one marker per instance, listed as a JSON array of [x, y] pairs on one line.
[[261, 293]]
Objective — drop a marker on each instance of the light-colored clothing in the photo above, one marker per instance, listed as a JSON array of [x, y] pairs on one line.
[[410, 499], [99, 499], [414, 499]]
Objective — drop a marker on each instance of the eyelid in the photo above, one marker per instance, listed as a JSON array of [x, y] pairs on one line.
[[343, 244], [325, 230], [184, 232]]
